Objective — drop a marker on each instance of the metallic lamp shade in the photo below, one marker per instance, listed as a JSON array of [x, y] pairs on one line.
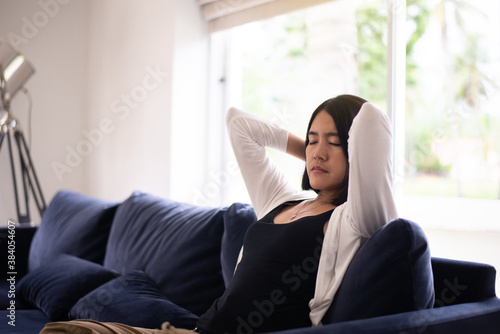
[[15, 69]]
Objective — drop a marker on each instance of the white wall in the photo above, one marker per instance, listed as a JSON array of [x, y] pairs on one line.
[[103, 108], [189, 102], [54, 39], [130, 76]]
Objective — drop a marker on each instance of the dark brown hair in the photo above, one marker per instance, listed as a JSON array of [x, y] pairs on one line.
[[342, 109]]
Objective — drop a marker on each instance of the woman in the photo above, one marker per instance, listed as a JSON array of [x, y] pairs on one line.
[[277, 284], [295, 256]]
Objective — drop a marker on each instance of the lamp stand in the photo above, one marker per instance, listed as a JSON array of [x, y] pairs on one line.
[[9, 128]]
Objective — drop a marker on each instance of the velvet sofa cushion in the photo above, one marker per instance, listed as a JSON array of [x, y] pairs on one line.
[[132, 299], [178, 245], [237, 220], [56, 286], [391, 273], [72, 224]]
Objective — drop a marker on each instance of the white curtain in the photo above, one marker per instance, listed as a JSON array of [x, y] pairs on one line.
[[223, 14]]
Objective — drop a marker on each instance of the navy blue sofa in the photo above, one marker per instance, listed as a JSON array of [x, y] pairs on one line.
[[147, 260]]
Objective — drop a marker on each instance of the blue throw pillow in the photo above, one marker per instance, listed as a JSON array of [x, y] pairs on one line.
[[237, 220], [55, 287], [178, 245], [72, 224], [133, 300], [391, 273]]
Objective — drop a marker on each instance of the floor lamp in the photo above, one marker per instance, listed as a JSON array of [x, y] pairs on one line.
[[15, 70]]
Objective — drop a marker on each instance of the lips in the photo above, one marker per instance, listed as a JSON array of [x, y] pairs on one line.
[[317, 169]]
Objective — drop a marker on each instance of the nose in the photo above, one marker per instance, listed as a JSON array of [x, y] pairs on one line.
[[320, 152]]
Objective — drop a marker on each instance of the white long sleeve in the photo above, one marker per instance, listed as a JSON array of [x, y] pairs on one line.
[[369, 204], [266, 185]]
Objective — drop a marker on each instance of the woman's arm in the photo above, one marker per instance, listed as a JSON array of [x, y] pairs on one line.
[[296, 146], [370, 201], [250, 135]]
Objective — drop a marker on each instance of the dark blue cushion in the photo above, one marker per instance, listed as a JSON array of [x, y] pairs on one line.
[[8, 294], [178, 245], [134, 300], [55, 287], [237, 220], [391, 273], [72, 224]]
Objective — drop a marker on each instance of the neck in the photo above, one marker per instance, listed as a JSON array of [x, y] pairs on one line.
[[326, 196]]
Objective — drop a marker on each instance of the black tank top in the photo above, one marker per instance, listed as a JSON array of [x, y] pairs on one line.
[[274, 281]]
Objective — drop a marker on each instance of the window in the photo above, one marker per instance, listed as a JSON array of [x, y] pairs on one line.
[[443, 97], [452, 155], [282, 68], [452, 125]]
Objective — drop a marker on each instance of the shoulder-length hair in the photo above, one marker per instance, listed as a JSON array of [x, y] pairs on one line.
[[342, 109]]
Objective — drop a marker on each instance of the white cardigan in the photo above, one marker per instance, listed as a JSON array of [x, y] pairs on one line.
[[369, 204]]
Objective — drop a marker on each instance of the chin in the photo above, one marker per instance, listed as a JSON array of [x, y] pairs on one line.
[[320, 186]]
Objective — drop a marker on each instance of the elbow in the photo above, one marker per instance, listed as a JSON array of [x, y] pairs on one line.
[[231, 114]]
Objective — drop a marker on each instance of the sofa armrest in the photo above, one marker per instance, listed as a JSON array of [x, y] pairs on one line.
[[471, 318], [457, 282], [22, 237]]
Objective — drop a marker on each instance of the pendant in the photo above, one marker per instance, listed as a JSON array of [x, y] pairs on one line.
[[293, 216]]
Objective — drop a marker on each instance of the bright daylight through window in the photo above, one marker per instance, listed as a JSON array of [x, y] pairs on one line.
[[303, 58], [452, 159], [450, 169]]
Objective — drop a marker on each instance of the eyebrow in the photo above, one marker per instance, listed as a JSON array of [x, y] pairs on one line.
[[328, 134]]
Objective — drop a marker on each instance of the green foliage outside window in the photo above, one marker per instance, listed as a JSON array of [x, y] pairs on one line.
[[454, 114], [450, 113]]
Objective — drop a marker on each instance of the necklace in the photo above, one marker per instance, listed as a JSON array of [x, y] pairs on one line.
[[302, 206]]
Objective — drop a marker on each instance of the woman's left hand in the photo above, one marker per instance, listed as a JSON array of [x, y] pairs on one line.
[[296, 146]]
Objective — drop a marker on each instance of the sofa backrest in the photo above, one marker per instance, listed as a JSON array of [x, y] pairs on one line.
[[189, 251], [72, 224], [178, 245]]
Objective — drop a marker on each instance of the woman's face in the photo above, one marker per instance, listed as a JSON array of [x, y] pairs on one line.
[[325, 159]]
